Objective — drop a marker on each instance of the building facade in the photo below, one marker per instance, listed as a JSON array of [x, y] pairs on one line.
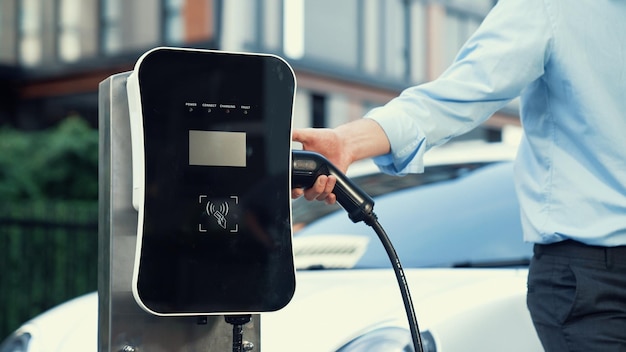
[[348, 55]]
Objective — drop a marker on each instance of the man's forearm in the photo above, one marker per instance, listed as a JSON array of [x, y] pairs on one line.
[[363, 138]]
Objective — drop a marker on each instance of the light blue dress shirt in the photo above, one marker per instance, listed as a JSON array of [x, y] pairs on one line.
[[566, 60]]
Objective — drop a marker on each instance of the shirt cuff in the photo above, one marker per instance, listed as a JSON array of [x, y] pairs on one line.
[[406, 140]]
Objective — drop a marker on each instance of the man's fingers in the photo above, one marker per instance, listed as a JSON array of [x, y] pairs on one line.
[[300, 135], [322, 189], [329, 185], [331, 199], [296, 193], [317, 188]]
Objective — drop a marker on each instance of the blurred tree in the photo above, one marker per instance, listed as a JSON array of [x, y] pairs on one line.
[[58, 163]]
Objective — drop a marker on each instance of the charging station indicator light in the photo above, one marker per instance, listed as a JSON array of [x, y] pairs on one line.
[[208, 107], [191, 106]]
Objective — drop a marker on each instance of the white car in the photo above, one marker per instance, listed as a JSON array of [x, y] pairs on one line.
[[457, 231]]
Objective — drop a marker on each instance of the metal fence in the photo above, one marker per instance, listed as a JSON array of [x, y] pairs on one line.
[[48, 254]]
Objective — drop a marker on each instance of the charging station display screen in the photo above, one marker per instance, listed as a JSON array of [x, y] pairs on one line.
[[216, 226], [217, 148]]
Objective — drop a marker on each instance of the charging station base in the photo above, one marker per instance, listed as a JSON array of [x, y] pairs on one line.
[[122, 324]]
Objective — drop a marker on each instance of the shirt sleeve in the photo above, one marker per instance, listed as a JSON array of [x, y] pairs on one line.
[[506, 53]]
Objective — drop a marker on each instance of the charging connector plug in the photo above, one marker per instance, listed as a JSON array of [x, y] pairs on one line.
[[306, 167]]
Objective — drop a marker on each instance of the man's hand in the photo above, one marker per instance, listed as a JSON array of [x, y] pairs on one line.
[[342, 146], [326, 142], [321, 190]]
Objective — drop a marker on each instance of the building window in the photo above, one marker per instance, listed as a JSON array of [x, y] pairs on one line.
[[318, 110], [394, 39], [371, 36], [77, 29], [130, 25], [417, 41], [322, 30], [293, 28], [459, 27], [394, 44], [240, 25], [463, 17], [69, 28], [30, 47], [378, 38], [331, 31], [111, 25], [477, 6], [174, 21], [272, 27], [8, 33]]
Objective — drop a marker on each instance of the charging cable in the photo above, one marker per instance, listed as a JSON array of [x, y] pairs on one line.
[[372, 221], [238, 322], [306, 167]]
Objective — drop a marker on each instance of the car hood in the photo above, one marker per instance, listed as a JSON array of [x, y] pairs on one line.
[[331, 307], [71, 326], [463, 309]]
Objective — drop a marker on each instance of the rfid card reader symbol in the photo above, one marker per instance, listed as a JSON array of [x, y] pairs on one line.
[[218, 214]]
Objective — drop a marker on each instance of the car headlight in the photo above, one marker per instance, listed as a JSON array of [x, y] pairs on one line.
[[18, 342], [388, 339]]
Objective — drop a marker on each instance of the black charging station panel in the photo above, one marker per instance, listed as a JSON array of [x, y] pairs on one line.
[[214, 206]]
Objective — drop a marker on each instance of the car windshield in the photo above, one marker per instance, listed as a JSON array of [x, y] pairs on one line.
[[462, 215], [376, 184]]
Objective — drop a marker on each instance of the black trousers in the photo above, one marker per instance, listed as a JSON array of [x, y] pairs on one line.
[[577, 297]]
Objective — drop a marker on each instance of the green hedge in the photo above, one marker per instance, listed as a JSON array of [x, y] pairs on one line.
[[58, 163]]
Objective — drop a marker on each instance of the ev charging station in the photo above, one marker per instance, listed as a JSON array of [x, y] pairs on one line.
[[194, 218], [195, 177]]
